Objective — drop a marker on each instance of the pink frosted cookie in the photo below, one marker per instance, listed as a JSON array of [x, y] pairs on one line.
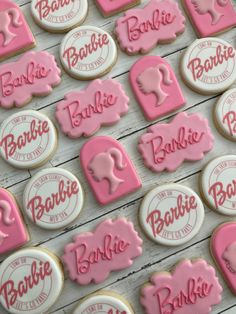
[[93, 255], [82, 113], [108, 169], [155, 87], [34, 74], [140, 30], [15, 35], [13, 233], [111, 7], [192, 287], [210, 17], [167, 146]]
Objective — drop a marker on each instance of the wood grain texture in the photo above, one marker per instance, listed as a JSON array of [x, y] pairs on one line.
[[128, 130]]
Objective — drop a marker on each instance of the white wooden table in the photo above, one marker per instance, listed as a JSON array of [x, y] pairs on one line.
[[128, 131]]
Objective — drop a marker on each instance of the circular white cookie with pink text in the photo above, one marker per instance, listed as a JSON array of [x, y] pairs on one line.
[[53, 198], [171, 214]]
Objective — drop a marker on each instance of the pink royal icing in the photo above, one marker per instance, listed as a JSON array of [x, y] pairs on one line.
[[140, 30], [155, 87], [110, 7], [191, 288], [210, 17], [111, 247], [13, 232], [82, 113], [34, 74], [15, 34], [167, 146], [108, 169]]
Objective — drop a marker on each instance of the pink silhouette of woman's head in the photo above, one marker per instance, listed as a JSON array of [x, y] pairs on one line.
[[229, 256], [102, 167], [208, 6]]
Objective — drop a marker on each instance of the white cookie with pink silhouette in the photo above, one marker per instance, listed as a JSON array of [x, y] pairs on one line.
[[108, 169]]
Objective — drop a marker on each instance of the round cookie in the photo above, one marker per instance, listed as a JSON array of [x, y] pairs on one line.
[[225, 114], [88, 52], [104, 302], [53, 198], [218, 184], [209, 65], [59, 16], [31, 281], [27, 139], [171, 214]]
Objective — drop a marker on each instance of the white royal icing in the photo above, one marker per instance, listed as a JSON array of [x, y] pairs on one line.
[[209, 65], [37, 281], [53, 198], [171, 214], [27, 139], [218, 184]]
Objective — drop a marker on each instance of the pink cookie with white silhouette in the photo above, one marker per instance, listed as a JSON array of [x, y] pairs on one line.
[[109, 7], [223, 250], [13, 233], [108, 169], [15, 34], [155, 87], [210, 17]]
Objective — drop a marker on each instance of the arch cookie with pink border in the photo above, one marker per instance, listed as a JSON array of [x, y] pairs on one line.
[[53, 198], [82, 113], [110, 7], [218, 184], [225, 114], [38, 267], [140, 30], [171, 292], [171, 214], [27, 139], [108, 169], [208, 66], [155, 87], [88, 52], [115, 243], [210, 17]]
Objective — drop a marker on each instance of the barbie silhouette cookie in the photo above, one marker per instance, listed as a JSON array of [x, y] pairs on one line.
[[108, 169], [210, 17], [15, 35], [109, 8], [155, 87], [13, 233]]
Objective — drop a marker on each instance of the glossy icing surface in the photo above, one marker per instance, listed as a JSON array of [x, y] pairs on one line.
[[111, 7]]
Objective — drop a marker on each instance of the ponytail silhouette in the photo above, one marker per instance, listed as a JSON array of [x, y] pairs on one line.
[[5, 213], [8, 17]]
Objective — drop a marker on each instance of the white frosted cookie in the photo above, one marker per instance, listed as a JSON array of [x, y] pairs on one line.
[[218, 184], [27, 139], [209, 65], [53, 198], [171, 214], [225, 114], [59, 16], [31, 280], [88, 52]]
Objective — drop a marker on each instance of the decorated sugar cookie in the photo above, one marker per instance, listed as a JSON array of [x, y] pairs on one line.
[[31, 281], [115, 243], [34, 74], [104, 302], [171, 214], [109, 7], [155, 87], [210, 17], [225, 114], [15, 34], [88, 52], [59, 16], [209, 65], [82, 113], [108, 169], [53, 198], [141, 29], [27, 139], [192, 287], [218, 182], [167, 146]]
